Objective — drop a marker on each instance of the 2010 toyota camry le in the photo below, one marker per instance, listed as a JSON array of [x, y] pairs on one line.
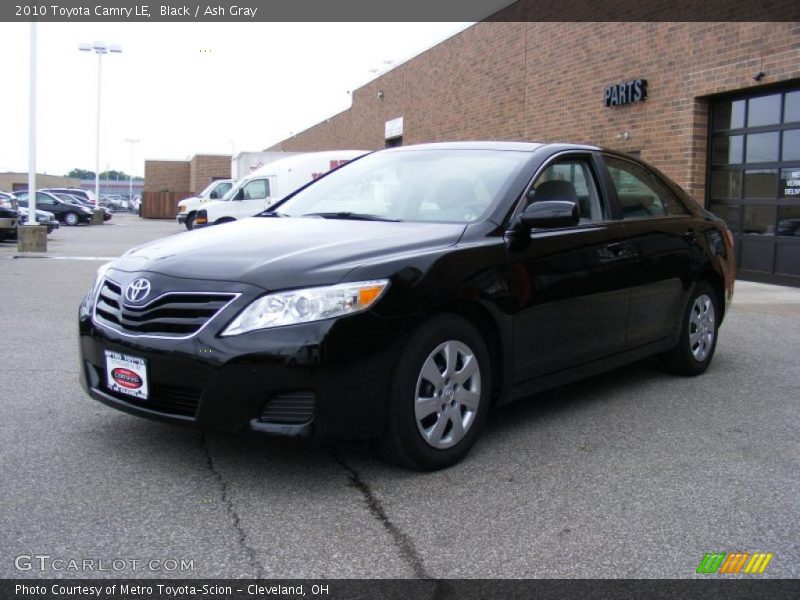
[[403, 295]]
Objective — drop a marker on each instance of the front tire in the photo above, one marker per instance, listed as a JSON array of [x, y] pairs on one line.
[[440, 394], [190, 221], [71, 218], [698, 338]]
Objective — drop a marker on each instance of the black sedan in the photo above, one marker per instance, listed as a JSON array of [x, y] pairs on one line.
[[78, 201], [69, 214], [403, 295], [8, 222]]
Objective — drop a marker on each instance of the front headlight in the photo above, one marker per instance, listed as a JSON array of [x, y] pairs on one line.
[[181, 208], [310, 304]]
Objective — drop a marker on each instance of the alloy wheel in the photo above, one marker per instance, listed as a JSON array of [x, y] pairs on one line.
[[448, 394], [702, 327]]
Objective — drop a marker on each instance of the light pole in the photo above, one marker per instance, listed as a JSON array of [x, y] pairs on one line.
[[99, 48], [130, 168]]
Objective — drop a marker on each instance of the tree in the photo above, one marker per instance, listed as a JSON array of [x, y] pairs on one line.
[[80, 174]]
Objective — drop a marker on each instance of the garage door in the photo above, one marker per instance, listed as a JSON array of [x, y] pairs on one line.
[[754, 181]]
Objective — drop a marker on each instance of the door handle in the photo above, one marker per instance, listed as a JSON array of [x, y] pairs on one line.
[[618, 248]]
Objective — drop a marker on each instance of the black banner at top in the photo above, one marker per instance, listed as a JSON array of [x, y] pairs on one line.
[[144, 11]]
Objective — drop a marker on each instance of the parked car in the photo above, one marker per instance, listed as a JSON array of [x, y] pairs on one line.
[[86, 195], [69, 214], [8, 200], [187, 208], [70, 199], [265, 186], [403, 295], [8, 222], [42, 218]]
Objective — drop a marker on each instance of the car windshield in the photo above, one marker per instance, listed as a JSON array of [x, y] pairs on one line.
[[456, 186], [208, 189], [234, 189]]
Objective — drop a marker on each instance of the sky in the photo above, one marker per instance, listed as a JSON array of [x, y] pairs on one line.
[[187, 88]]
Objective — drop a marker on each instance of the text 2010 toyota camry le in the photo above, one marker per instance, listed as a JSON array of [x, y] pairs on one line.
[[404, 294]]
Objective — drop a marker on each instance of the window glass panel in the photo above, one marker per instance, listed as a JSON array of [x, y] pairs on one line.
[[760, 183], [256, 189], [729, 213], [764, 111], [578, 174], [790, 183], [758, 220], [791, 107], [727, 150], [725, 184], [762, 147], [640, 193], [789, 221], [729, 114], [791, 145]]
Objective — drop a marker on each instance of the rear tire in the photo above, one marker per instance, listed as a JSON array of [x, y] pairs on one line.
[[698, 338], [440, 394], [71, 218]]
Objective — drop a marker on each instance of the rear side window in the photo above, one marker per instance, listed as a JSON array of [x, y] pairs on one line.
[[640, 193]]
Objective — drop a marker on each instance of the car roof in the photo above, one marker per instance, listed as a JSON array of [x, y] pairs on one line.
[[492, 145]]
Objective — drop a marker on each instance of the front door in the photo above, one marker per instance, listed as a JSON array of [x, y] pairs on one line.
[[571, 284], [254, 198]]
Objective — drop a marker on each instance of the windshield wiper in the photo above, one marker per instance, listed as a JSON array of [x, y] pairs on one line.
[[271, 213], [353, 216]]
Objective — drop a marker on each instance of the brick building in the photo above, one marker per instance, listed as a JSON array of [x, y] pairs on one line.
[[185, 176], [721, 113]]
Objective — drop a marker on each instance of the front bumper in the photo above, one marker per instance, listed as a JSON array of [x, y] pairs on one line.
[[225, 384], [181, 218]]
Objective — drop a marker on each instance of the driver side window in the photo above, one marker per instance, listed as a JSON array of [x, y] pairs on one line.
[[570, 179], [257, 189]]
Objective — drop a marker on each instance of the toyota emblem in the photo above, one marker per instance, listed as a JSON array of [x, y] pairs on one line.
[[137, 290]]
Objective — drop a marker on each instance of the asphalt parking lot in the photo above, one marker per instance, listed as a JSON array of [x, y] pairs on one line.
[[634, 473]]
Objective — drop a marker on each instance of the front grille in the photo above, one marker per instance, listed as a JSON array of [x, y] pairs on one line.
[[167, 399], [174, 314], [291, 408]]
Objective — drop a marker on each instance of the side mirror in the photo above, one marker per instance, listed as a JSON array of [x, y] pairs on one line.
[[550, 214], [240, 194], [213, 195]]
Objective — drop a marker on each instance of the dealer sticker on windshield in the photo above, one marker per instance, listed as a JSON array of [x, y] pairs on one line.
[[126, 374]]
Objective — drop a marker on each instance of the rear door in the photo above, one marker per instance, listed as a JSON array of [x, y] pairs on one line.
[[663, 237], [571, 285]]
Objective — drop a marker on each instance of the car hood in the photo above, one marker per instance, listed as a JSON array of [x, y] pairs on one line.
[[273, 252]]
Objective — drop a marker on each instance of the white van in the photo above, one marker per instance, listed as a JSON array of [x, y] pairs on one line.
[[187, 208], [264, 187]]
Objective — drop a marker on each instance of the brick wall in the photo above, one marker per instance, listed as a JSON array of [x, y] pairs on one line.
[[166, 176], [545, 81], [205, 168]]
